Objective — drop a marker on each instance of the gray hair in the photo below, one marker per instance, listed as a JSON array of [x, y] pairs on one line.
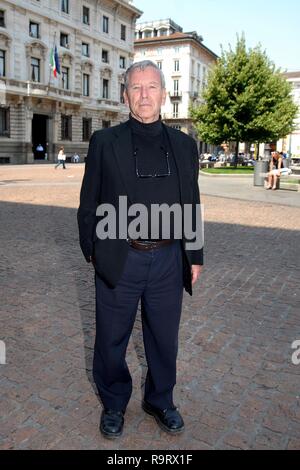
[[142, 65]]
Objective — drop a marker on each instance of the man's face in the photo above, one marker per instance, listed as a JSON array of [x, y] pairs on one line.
[[144, 95]]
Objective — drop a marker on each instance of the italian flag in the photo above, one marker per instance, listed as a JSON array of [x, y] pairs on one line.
[[54, 62]]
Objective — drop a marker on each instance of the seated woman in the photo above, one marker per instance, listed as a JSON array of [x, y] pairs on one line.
[[276, 165]]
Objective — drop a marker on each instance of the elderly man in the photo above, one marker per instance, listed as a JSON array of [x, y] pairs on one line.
[[149, 164]]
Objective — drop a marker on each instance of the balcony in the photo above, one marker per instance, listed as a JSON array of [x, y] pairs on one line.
[[39, 90], [175, 94], [109, 105], [167, 116]]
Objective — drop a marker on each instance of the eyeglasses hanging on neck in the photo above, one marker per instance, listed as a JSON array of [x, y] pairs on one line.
[[155, 175]]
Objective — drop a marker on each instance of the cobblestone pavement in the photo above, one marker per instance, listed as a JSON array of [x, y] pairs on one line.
[[237, 386]]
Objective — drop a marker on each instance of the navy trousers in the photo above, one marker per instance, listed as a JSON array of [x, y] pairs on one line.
[[155, 277]]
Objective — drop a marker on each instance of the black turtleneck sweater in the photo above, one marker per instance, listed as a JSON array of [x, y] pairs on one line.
[[151, 144]]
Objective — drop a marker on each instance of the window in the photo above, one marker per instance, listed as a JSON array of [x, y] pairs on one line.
[[105, 124], [2, 63], [175, 110], [65, 6], [123, 32], [176, 65], [86, 85], [65, 78], [4, 122], [105, 24], [2, 18], [85, 15], [85, 49], [193, 67], [163, 32], [122, 89], [176, 87], [86, 129], [64, 40], [122, 62], [105, 88], [35, 70], [66, 127], [148, 34], [105, 57], [159, 64], [34, 30]]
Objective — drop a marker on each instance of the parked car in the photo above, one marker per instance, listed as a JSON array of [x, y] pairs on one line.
[[248, 161]]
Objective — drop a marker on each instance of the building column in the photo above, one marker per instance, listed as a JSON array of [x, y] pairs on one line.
[[29, 157]]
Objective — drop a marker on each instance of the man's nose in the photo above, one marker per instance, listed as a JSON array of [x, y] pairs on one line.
[[144, 92]]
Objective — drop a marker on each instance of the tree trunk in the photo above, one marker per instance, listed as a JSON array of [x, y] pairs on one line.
[[236, 156]]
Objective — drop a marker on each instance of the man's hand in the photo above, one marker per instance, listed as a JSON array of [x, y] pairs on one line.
[[92, 260], [196, 271]]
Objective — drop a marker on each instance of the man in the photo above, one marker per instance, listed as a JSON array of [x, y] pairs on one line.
[[39, 151], [149, 163]]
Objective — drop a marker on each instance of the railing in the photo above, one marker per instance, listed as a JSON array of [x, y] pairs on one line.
[[37, 89], [170, 116], [175, 94], [111, 103]]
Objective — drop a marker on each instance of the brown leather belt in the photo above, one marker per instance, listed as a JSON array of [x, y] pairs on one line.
[[148, 245]]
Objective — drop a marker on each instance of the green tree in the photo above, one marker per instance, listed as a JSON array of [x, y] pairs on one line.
[[246, 100]]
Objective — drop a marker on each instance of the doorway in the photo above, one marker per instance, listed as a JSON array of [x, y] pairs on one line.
[[39, 136]]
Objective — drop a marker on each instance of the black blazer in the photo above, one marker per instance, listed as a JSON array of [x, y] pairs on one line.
[[110, 173]]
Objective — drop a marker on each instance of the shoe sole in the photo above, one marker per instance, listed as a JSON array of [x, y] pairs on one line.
[[111, 436], [160, 424]]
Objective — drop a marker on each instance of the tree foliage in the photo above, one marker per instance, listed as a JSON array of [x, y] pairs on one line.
[[246, 99]]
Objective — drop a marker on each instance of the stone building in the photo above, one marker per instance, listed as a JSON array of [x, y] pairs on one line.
[[291, 144], [185, 61], [94, 40]]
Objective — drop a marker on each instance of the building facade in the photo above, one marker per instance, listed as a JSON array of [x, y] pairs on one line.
[[291, 144], [185, 62], [94, 40]]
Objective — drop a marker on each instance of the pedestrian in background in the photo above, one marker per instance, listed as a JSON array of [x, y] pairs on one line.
[[61, 157]]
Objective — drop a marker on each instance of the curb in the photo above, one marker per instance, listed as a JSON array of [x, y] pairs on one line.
[[224, 174]]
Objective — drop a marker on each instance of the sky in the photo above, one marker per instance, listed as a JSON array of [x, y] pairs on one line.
[[272, 23]]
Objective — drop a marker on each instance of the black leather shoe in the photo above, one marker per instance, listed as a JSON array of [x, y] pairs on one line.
[[111, 423], [170, 420]]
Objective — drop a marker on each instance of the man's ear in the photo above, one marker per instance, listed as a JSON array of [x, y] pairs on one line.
[[125, 96]]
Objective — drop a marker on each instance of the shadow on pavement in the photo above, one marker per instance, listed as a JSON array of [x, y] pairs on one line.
[[237, 386]]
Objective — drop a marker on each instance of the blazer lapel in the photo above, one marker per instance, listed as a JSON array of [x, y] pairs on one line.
[[123, 152]]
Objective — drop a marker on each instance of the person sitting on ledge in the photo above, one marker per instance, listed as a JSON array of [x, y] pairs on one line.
[[276, 165]]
